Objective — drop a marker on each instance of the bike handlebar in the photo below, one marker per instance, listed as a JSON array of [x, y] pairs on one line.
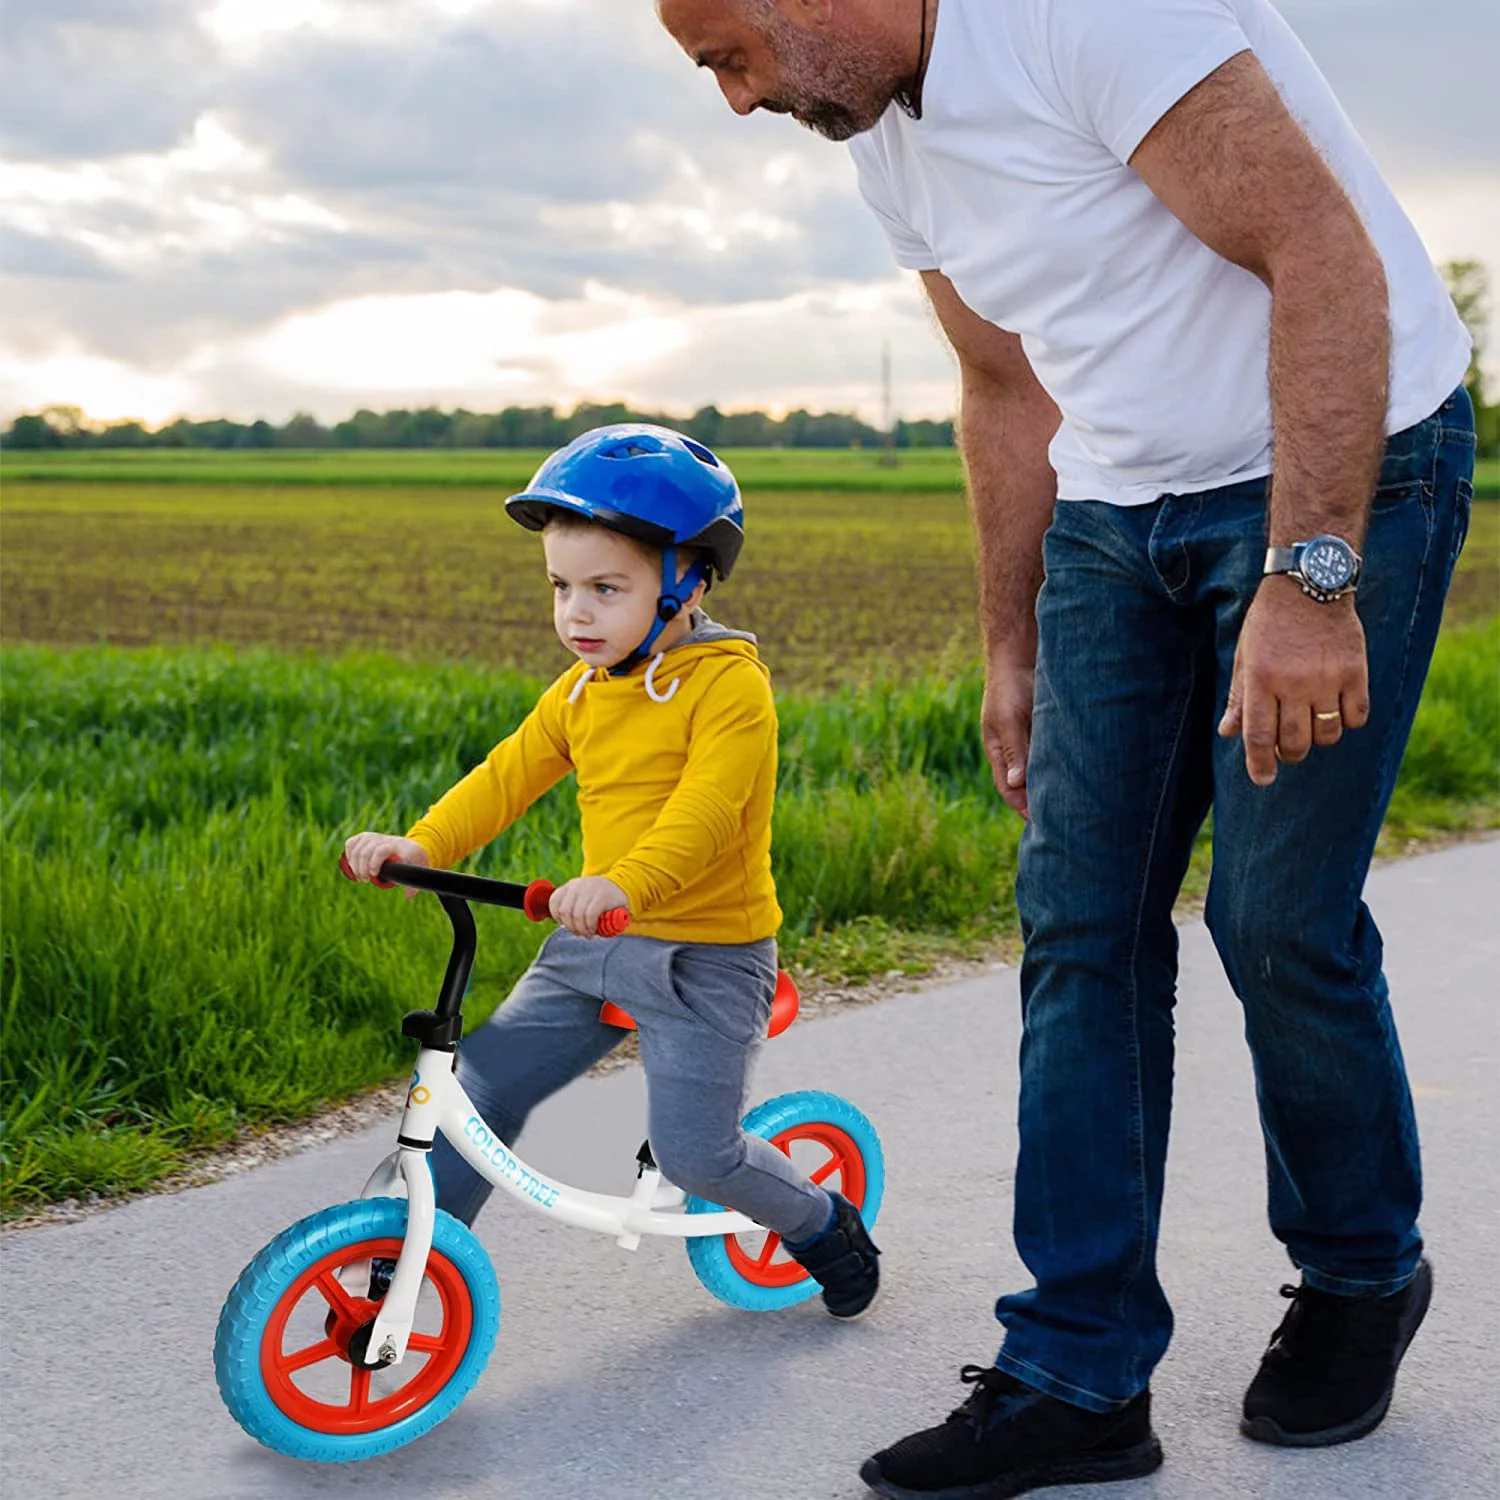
[[533, 899]]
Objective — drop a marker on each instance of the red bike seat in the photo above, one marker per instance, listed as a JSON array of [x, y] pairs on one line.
[[784, 1007]]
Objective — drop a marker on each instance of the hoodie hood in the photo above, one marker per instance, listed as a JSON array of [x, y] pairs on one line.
[[704, 631]]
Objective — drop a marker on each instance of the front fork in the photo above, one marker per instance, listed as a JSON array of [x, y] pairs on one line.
[[406, 1173], [403, 1174]]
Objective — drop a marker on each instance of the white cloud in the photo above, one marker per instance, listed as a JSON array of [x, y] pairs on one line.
[[105, 389], [503, 344], [209, 195]]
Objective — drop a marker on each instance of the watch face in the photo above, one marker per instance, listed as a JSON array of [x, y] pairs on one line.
[[1328, 563]]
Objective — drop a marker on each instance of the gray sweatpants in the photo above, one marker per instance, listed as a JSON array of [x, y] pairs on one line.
[[702, 1011]]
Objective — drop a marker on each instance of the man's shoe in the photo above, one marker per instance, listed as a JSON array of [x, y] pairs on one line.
[[1008, 1438], [1331, 1367], [843, 1260]]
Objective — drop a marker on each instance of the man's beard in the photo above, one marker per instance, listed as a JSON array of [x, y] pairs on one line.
[[836, 95], [830, 119]]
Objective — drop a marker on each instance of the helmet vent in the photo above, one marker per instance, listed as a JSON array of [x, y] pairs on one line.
[[636, 447], [700, 453]]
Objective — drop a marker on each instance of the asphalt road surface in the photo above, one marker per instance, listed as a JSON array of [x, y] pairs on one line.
[[617, 1376]]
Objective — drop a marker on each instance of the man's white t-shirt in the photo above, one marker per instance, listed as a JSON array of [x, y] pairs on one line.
[[1014, 185]]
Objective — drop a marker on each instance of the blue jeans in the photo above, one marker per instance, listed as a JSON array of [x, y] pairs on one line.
[[1138, 621]]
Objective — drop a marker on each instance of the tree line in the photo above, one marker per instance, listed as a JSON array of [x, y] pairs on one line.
[[430, 427], [545, 427]]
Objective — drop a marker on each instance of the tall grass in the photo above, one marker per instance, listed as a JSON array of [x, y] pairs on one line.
[[179, 957]]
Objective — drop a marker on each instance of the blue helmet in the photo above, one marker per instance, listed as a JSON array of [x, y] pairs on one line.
[[648, 482]]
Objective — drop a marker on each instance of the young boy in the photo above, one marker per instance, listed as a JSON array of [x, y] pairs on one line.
[[669, 723]]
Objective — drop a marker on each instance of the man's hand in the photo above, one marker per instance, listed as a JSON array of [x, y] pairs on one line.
[[1300, 677], [1005, 723], [366, 852], [580, 903]]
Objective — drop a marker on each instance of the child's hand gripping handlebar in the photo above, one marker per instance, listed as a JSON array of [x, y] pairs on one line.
[[534, 899]]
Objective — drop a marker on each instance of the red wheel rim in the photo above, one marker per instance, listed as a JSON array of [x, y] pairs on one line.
[[843, 1171], [437, 1354]]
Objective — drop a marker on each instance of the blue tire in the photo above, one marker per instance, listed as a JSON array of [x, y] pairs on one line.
[[289, 1280], [733, 1272]]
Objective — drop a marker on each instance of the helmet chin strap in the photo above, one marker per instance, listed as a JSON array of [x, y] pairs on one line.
[[675, 593]]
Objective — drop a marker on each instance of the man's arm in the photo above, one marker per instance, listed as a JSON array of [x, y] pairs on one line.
[[1006, 421], [1230, 161]]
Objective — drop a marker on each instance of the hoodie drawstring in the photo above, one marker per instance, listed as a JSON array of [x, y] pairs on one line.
[[656, 697], [651, 692]]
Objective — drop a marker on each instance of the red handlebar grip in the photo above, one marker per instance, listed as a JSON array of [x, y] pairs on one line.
[[538, 902], [385, 885], [613, 922]]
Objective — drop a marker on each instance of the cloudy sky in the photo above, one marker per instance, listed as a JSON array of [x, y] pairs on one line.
[[250, 207]]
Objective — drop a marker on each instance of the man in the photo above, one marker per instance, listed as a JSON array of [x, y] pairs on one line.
[[1169, 269]]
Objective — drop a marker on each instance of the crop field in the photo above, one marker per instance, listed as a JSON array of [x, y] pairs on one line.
[[839, 585], [836, 585]]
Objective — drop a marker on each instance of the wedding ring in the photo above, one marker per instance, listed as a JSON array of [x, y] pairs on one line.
[[1328, 715]]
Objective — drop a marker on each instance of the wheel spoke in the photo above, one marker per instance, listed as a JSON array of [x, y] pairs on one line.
[[311, 1355], [334, 1294], [768, 1251], [359, 1391], [424, 1343], [827, 1170]]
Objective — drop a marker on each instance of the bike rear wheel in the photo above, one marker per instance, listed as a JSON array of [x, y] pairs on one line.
[[836, 1146]]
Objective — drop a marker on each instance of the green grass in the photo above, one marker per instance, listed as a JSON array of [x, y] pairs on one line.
[[178, 957], [1487, 479], [836, 470], [758, 470]]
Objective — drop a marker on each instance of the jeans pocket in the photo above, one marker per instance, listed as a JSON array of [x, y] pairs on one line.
[[1463, 505], [1402, 492], [727, 990]]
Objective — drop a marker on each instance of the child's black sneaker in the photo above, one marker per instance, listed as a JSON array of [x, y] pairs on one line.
[[1008, 1438], [381, 1272], [843, 1260], [1329, 1372]]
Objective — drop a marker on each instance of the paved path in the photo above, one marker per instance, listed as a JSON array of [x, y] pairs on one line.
[[618, 1378]]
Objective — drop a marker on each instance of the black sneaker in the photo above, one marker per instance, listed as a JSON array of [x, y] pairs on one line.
[[381, 1272], [1008, 1438], [1331, 1367], [843, 1260]]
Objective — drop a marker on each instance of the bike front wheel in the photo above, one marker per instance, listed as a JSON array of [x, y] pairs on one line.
[[283, 1354], [835, 1146]]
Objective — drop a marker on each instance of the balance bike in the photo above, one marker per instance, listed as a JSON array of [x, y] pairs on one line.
[[313, 1366]]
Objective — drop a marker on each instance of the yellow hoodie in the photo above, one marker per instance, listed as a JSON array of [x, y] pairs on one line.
[[676, 781]]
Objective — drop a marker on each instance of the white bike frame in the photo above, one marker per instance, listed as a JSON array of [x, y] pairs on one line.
[[436, 1102]]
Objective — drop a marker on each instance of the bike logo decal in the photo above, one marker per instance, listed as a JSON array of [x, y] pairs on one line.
[[418, 1093], [508, 1167]]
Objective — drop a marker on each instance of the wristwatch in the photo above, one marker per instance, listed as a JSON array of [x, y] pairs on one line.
[[1327, 567]]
